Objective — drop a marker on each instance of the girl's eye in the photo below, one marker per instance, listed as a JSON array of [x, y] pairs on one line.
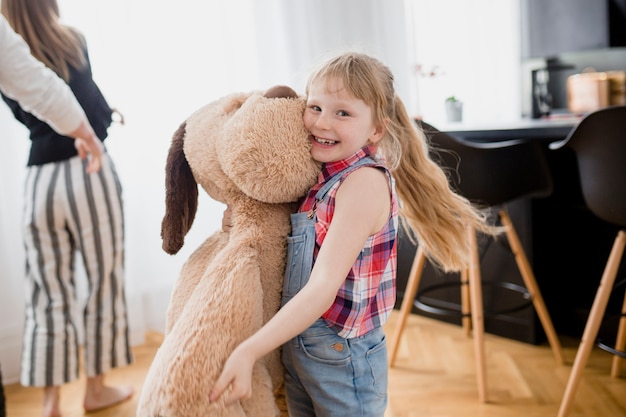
[[342, 113]]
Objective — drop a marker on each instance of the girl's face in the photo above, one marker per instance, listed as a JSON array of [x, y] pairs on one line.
[[339, 123]]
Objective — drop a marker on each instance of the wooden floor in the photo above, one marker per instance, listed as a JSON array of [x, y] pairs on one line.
[[433, 376]]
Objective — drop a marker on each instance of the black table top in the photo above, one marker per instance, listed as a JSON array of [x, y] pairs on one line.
[[548, 130]]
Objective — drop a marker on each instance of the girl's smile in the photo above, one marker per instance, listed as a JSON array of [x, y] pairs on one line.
[[324, 141]]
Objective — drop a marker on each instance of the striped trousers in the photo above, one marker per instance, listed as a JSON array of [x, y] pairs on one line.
[[67, 211]]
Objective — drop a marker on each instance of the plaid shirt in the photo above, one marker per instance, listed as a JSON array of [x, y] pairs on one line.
[[368, 294]]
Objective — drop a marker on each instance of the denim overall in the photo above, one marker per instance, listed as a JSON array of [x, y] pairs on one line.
[[327, 375]]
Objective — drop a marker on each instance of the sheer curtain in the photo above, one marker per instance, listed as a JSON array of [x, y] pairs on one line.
[[157, 61], [312, 31]]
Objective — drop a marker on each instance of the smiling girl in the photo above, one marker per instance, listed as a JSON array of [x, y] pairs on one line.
[[339, 286]]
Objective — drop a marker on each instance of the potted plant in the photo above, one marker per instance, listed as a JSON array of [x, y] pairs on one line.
[[454, 109]]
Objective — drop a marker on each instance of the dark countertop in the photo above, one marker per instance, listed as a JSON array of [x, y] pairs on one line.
[[548, 129]]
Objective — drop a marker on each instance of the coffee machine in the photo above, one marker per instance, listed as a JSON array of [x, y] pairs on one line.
[[541, 97], [548, 87]]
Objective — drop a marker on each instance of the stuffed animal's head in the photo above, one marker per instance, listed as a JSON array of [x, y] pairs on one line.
[[253, 144]]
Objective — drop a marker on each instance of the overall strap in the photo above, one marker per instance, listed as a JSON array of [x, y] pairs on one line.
[[326, 187]]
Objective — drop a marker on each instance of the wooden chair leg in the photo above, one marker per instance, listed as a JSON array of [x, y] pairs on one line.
[[407, 302], [531, 285], [478, 325], [472, 300], [620, 342], [466, 307], [593, 322]]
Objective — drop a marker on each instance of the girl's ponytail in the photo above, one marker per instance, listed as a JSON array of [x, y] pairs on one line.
[[437, 216]]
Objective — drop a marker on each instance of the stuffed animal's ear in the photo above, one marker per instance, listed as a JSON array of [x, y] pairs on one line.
[[181, 196], [280, 91]]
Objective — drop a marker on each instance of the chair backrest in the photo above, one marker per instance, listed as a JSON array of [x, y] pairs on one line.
[[493, 173], [599, 142]]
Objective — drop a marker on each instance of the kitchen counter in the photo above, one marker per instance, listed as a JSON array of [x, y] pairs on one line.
[[546, 129]]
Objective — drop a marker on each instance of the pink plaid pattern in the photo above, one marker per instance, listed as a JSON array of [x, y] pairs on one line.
[[368, 294]]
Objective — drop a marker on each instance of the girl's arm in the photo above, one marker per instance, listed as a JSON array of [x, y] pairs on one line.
[[362, 208]]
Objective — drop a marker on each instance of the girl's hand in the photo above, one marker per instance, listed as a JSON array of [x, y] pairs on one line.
[[237, 374]]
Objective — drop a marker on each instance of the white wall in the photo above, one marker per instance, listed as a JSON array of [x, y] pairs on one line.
[[475, 46], [11, 250]]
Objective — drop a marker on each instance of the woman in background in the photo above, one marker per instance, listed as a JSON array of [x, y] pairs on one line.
[[39, 89], [67, 210]]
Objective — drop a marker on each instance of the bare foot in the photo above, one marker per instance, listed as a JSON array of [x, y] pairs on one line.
[[50, 412], [51, 402], [99, 396]]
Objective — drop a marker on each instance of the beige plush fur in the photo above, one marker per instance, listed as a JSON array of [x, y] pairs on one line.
[[251, 152]]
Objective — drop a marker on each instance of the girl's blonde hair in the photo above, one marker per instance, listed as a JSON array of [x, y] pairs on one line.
[[52, 43], [437, 215]]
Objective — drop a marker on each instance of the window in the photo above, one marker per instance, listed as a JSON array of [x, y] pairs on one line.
[[469, 49]]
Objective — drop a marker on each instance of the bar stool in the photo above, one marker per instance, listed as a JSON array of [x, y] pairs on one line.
[[599, 142], [490, 175]]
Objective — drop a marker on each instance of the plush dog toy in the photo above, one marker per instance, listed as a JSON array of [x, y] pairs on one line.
[[251, 152]]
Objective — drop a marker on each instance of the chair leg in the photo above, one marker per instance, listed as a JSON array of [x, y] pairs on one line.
[[407, 302], [531, 285], [478, 325], [620, 342], [593, 322], [475, 304], [466, 308]]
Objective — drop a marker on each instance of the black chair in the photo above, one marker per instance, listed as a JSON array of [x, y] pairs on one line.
[[599, 142], [489, 175]]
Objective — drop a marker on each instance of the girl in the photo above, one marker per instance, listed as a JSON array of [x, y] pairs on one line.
[[340, 280], [67, 210]]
